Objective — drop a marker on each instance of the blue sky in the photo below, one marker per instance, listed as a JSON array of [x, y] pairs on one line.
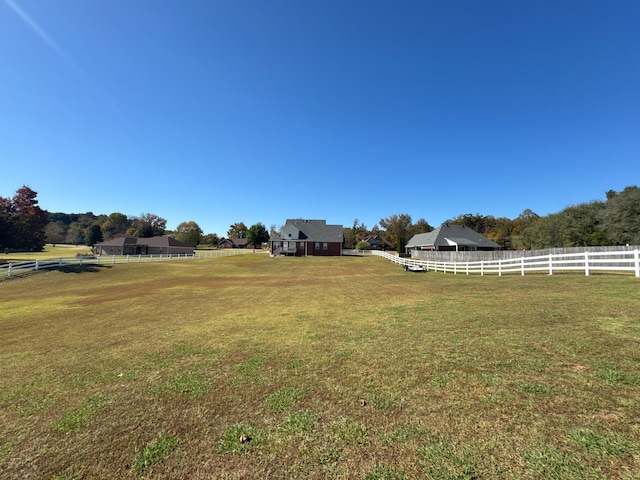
[[224, 111]]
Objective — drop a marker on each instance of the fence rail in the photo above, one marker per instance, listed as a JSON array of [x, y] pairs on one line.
[[31, 266], [627, 261]]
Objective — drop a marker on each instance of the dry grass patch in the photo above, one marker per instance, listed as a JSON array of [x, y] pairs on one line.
[[330, 367]]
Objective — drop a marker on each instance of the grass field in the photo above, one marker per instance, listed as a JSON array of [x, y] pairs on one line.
[[258, 367], [49, 251]]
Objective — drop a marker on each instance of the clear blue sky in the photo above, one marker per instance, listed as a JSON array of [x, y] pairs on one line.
[[224, 111]]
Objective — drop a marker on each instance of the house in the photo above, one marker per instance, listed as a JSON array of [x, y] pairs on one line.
[[161, 245], [233, 243], [377, 242], [302, 237], [451, 238]]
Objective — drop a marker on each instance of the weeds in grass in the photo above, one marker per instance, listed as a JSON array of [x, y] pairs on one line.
[[406, 432], [247, 371], [155, 452], [611, 372], [193, 384], [381, 472], [300, 423], [284, 399], [449, 459], [80, 417], [241, 439], [70, 473], [602, 445], [549, 462], [535, 388], [349, 432]]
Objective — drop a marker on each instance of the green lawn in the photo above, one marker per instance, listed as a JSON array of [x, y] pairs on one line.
[[49, 251], [258, 367]]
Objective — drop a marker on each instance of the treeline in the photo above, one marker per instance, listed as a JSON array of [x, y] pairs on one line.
[[615, 221]]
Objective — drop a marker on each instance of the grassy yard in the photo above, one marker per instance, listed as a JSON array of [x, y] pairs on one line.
[[258, 367], [50, 251]]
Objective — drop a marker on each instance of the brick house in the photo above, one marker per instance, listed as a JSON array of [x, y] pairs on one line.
[[300, 237]]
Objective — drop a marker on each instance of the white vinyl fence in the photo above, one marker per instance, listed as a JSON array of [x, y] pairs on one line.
[[627, 261], [23, 268]]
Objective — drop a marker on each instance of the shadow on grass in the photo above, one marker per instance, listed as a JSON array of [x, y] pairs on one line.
[[63, 269], [80, 268]]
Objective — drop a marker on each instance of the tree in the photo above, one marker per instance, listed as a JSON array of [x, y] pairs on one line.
[[237, 230], [115, 225], [257, 234], [23, 221], [354, 234], [6, 234], [621, 217], [396, 230], [93, 234], [55, 232], [210, 239], [362, 245], [421, 226], [189, 232], [147, 225]]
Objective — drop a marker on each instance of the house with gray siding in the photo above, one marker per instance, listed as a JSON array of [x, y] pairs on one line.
[[451, 238]]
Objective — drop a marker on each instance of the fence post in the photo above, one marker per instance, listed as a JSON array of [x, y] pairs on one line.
[[636, 255], [522, 265], [37, 264], [499, 267], [550, 264], [586, 263], [139, 257], [467, 268], [9, 269], [60, 262], [113, 259], [482, 268], [127, 258], [80, 260]]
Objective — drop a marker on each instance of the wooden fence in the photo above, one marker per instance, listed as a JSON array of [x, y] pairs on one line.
[[31, 266], [626, 261]]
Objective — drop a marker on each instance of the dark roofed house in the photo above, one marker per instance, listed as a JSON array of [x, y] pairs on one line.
[[451, 238], [301, 237], [377, 242], [233, 243], [161, 245]]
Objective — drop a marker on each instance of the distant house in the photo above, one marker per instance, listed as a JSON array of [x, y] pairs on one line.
[[301, 237], [162, 245], [377, 242], [233, 243], [451, 238]]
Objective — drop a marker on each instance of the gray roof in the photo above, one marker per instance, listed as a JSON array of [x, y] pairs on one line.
[[161, 241], [454, 234], [316, 230]]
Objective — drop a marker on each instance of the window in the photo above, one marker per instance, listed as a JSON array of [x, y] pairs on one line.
[[317, 245], [301, 244], [325, 246]]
